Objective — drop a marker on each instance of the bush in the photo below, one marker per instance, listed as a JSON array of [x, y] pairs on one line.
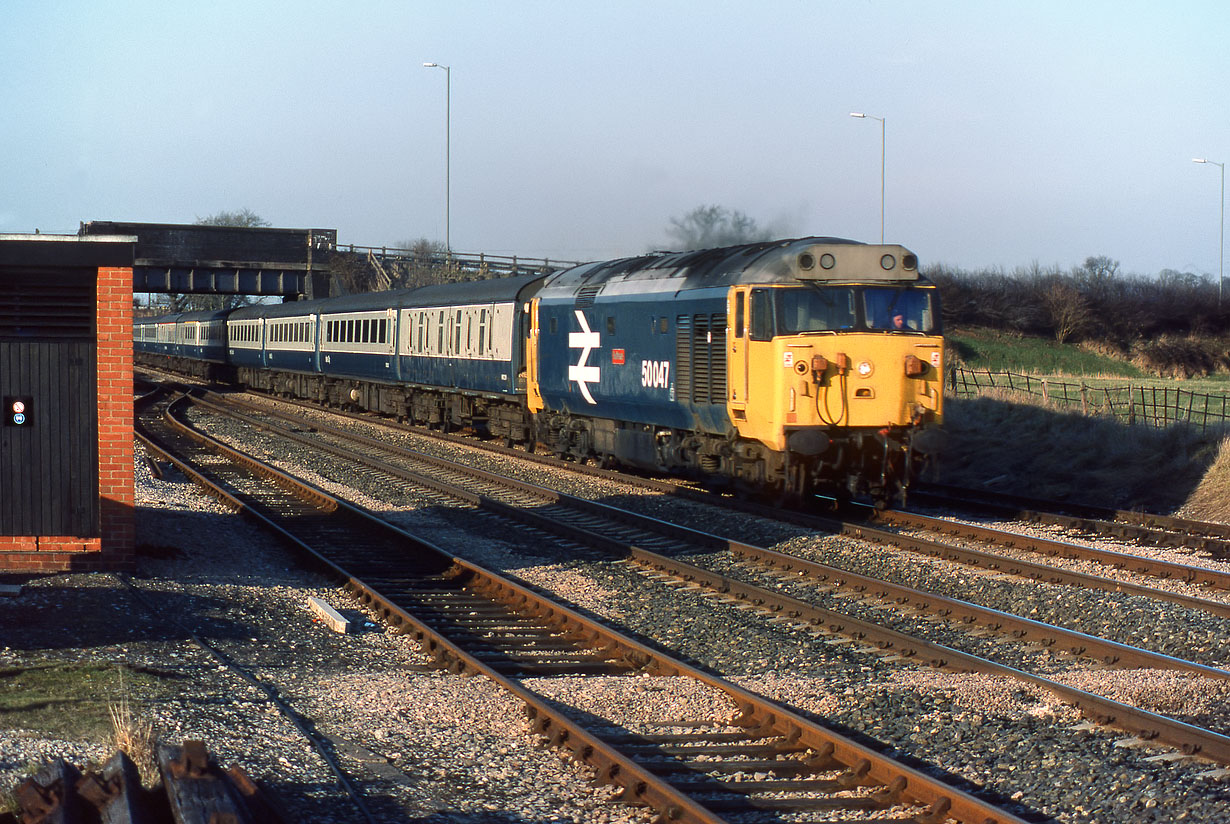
[[1089, 303], [1176, 357]]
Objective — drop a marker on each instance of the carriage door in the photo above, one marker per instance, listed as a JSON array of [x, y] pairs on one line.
[[533, 392], [737, 356]]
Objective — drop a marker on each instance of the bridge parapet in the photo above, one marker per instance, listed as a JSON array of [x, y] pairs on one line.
[[225, 260], [457, 265]]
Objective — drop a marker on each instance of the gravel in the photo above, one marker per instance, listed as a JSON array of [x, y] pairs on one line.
[[421, 744], [441, 747]]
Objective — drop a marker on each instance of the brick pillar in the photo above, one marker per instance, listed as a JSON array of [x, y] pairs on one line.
[[115, 441]]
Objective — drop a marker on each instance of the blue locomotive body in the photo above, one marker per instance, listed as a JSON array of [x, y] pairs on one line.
[[617, 355], [766, 364]]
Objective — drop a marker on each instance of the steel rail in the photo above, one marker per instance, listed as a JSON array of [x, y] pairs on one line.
[[864, 765], [1147, 725], [803, 615], [1146, 527], [1045, 572], [1165, 570], [1024, 629], [308, 731]]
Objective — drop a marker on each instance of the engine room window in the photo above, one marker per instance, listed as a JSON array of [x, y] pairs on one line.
[[610, 325]]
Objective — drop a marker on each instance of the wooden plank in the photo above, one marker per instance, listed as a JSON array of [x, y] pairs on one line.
[[116, 792], [48, 797], [332, 618], [195, 788]]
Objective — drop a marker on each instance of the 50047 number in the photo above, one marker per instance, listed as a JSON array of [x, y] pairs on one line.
[[656, 374]]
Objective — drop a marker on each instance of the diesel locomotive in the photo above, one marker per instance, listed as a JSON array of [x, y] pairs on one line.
[[799, 367]]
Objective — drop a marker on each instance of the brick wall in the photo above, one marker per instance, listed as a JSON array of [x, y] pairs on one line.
[[115, 548]]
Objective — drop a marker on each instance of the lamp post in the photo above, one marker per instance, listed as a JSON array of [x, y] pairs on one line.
[[448, 121], [1221, 247], [873, 117]]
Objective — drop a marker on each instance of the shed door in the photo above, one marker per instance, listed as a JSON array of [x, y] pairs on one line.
[[49, 462]]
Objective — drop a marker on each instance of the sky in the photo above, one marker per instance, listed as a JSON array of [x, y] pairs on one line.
[[1014, 133]]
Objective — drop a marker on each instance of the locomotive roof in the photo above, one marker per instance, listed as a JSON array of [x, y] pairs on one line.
[[836, 260]]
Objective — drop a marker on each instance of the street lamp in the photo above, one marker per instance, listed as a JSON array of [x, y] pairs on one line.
[[448, 102], [873, 117], [1221, 248]]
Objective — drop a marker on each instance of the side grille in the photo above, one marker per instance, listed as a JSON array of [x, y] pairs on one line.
[[58, 306], [700, 358], [683, 357], [587, 294]]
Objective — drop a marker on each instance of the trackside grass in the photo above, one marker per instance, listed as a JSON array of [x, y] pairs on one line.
[[1000, 443], [1013, 442], [1004, 352]]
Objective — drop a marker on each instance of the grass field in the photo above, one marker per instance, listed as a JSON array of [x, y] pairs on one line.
[[1012, 442], [1001, 352], [1006, 352]]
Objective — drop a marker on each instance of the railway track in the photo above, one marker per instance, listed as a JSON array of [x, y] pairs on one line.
[[474, 621], [1142, 527], [628, 535], [1160, 531]]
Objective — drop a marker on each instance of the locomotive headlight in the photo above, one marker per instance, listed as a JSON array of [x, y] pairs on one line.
[[865, 369]]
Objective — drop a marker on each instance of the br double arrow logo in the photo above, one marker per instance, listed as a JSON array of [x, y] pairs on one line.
[[587, 341]]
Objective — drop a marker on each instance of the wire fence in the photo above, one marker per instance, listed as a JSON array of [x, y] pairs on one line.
[[1156, 406]]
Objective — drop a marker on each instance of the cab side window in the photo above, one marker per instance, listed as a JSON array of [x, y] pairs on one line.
[[762, 314]]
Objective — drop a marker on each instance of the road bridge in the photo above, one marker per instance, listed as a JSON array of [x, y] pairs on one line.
[[225, 260]]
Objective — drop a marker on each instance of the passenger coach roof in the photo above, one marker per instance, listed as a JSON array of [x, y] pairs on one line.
[[181, 317], [765, 262], [471, 291], [347, 303]]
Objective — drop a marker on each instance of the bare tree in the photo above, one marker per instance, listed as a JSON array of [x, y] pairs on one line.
[[244, 218], [1067, 308], [709, 226]]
